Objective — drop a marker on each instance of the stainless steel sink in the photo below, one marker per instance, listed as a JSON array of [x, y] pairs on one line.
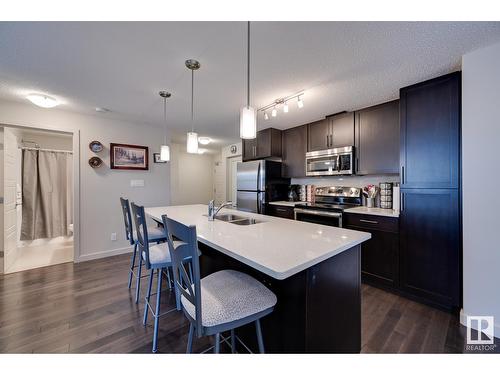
[[248, 221], [229, 217], [235, 219]]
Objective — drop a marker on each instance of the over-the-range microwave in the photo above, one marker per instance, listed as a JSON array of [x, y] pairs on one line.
[[331, 162]]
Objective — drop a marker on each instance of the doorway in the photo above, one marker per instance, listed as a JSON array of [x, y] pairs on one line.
[[232, 178], [37, 211]]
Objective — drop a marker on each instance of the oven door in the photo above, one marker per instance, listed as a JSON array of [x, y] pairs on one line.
[[333, 219], [326, 165]]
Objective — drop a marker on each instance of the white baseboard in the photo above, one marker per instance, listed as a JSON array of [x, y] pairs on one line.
[[104, 254], [463, 321]]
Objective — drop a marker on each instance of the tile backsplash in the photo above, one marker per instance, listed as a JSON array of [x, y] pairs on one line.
[[351, 181]]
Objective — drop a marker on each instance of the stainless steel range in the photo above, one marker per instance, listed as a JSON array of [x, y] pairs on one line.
[[329, 205]]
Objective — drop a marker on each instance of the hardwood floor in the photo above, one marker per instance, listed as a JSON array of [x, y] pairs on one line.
[[87, 308]]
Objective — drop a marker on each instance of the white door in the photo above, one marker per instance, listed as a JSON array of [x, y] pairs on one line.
[[232, 178], [219, 183], [9, 191]]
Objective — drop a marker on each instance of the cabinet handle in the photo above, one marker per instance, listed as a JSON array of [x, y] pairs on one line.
[[327, 142], [368, 221], [281, 209], [357, 164], [402, 200], [402, 174], [331, 140]]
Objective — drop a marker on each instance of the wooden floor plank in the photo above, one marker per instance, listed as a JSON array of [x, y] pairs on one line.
[[87, 308]]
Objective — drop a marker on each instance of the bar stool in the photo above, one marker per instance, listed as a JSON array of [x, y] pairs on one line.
[[222, 301], [157, 260], [155, 235]]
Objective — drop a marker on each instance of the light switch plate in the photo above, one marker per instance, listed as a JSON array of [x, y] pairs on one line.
[[136, 183]]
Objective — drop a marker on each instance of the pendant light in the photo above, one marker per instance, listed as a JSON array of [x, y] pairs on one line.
[[248, 118], [192, 137], [165, 149]]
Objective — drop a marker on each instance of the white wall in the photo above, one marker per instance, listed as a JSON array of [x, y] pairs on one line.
[[100, 189], [191, 176], [48, 140], [481, 179]]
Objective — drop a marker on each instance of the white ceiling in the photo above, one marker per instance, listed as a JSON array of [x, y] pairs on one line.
[[122, 66]]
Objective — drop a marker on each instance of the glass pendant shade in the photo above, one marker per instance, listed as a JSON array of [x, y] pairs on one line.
[[165, 153], [248, 123], [192, 143]]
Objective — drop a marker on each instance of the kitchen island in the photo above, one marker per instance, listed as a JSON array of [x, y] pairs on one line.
[[314, 270]]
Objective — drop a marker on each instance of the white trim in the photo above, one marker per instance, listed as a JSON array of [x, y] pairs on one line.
[[104, 254], [463, 321]]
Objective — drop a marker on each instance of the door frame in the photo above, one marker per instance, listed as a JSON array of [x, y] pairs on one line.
[[75, 133]]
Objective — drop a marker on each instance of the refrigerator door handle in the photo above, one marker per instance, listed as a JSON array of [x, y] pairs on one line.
[[259, 187]]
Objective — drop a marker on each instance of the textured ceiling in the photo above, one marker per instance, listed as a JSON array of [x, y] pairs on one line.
[[122, 66]]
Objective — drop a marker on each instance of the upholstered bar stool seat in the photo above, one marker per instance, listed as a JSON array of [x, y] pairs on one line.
[[159, 256], [155, 234], [228, 296]]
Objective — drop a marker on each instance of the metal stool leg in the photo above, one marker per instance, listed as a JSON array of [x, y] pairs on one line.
[[132, 265], [146, 306], [138, 281], [169, 281], [259, 336], [217, 343], [233, 342], [157, 312], [189, 348]]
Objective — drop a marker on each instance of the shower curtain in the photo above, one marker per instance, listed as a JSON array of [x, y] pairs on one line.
[[47, 194]]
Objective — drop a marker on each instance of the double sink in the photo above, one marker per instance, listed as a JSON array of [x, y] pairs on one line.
[[238, 220]]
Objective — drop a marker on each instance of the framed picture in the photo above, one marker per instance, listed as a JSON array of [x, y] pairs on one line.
[[156, 158], [130, 157]]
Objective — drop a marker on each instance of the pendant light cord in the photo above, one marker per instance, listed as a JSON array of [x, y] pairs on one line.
[[192, 100], [165, 117], [248, 65]]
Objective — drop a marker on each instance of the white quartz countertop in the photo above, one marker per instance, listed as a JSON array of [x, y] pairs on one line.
[[277, 247], [285, 203], [373, 211]]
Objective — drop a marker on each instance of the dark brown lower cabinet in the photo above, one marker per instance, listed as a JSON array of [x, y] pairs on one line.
[[380, 254], [430, 247], [280, 211]]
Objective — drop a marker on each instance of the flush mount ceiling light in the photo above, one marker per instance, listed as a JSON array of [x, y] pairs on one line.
[[165, 149], [204, 140], [282, 102], [192, 137], [248, 115], [43, 101]]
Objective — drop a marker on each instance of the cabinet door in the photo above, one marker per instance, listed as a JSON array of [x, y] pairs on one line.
[[280, 211], [430, 133], [249, 149], [377, 139], [430, 245], [268, 143], [294, 149], [341, 130], [318, 135]]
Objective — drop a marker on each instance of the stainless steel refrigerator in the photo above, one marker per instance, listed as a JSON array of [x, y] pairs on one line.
[[259, 182]]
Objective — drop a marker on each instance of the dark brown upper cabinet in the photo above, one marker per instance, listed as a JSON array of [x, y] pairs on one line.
[[294, 151], [318, 136], [266, 145], [377, 139], [334, 131], [430, 133]]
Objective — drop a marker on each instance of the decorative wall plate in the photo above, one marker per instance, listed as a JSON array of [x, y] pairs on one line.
[[96, 146], [95, 162]]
